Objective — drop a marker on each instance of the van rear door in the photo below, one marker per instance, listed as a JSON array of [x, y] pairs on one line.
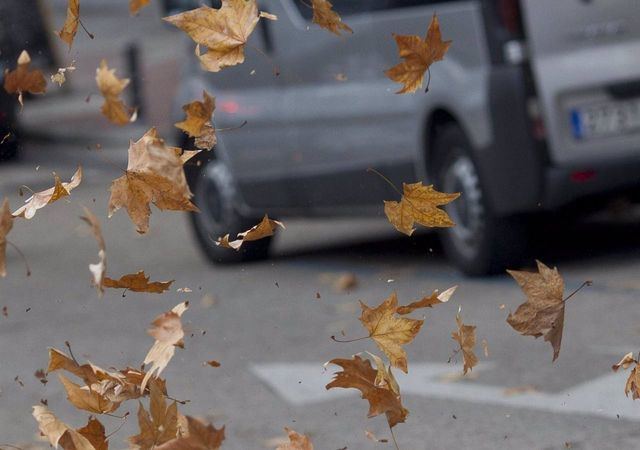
[[585, 58]]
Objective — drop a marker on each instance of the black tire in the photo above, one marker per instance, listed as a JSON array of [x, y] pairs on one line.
[[215, 195], [481, 243]]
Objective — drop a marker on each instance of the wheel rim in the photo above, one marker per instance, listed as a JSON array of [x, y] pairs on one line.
[[468, 210]]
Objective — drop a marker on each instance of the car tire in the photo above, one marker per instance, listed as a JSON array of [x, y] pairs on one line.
[[481, 243], [215, 195]]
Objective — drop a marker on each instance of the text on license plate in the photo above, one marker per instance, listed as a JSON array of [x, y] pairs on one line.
[[606, 119]]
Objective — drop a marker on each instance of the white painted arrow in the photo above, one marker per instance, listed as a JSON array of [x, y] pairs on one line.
[[304, 383]]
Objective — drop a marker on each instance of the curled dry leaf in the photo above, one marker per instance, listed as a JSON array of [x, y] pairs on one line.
[[83, 397], [417, 55], [296, 441], [265, 228], [419, 204], [435, 298], [198, 122], [223, 31], [466, 339], [198, 436], [633, 382], [95, 433], [158, 425], [542, 314], [166, 329], [155, 174], [136, 5], [70, 27], [60, 76], [23, 80], [111, 88], [138, 282], [213, 363], [357, 373], [327, 18], [60, 434], [6, 223], [41, 199], [98, 269]]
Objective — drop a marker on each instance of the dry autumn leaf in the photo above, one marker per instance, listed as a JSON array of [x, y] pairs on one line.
[[419, 204], [98, 269], [83, 397], [224, 31], [60, 76], [138, 282], [158, 425], [418, 55], [94, 432], [435, 298], [70, 27], [198, 436], [166, 329], [59, 433], [466, 339], [6, 223], [136, 5], [357, 373], [198, 122], [633, 382], [265, 228], [542, 314], [41, 199], [111, 88], [23, 80], [296, 441], [327, 18], [155, 174]]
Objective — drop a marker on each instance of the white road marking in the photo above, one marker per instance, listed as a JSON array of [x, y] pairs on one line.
[[304, 383]]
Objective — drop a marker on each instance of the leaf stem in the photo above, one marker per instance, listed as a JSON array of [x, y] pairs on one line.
[[68, 345], [586, 283], [24, 258], [276, 69], [335, 339], [393, 436], [371, 169], [182, 402], [232, 128], [124, 420], [85, 29]]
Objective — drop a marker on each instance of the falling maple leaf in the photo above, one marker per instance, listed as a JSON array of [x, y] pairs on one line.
[[98, 269], [358, 373], [59, 433], [160, 426], [41, 199], [542, 314], [296, 441], [166, 329], [435, 298], [466, 339], [265, 228], [327, 18], [83, 397], [6, 223], [223, 31], [418, 55], [198, 436], [390, 331], [419, 204], [138, 282], [111, 88], [155, 174], [23, 80], [94, 432], [633, 382], [70, 27], [198, 122], [136, 5]]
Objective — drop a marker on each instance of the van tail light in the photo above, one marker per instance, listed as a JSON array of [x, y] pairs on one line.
[[510, 17]]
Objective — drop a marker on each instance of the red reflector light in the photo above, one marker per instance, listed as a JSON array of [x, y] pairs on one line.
[[509, 12], [582, 176]]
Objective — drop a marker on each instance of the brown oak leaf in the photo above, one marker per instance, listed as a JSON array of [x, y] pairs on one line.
[[296, 441], [155, 174], [41, 199], [198, 122], [418, 55], [223, 31], [466, 339], [98, 269], [542, 314], [327, 18], [633, 382], [357, 373], [265, 228], [138, 282], [6, 223], [59, 433], [70, 27], [23, 80], [419, 204], [111, 88]]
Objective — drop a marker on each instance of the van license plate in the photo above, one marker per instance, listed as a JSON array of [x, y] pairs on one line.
[[606, 119]]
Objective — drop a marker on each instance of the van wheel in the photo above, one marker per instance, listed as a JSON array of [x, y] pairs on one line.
[[214, 193], [481, 243]]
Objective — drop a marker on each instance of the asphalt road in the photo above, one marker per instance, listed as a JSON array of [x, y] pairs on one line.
[[271, 333]]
